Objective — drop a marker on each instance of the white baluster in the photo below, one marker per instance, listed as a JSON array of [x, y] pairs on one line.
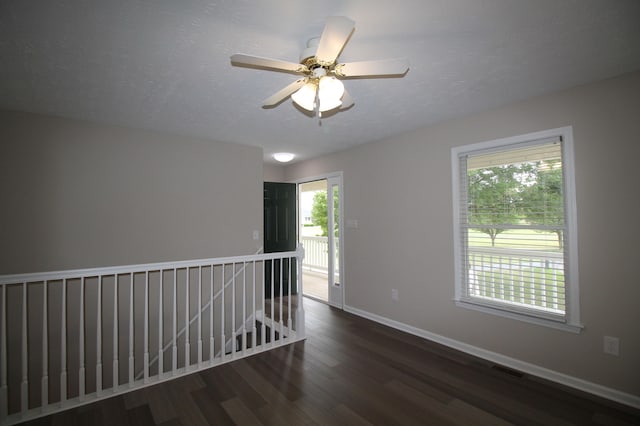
[[63, 344], [543, 287], [501, 281], [24, 394], [233, 310], [244, 307], [223, 341], [44, 384], [262, 292], [187, 345], [211, 338], [115, 334], [81, 372], [253, 312], [273, 302], [300, 329], [199, 316], [291, 260], [146, 327], [511, 297], [131, 348], [281, 325], [4, 395], [99, 338], [160, 327], [174, 358], [483, 280], [554, 273], [532, 281], [522, 282]]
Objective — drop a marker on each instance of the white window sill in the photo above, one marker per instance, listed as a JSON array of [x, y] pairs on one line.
[[572, 328]]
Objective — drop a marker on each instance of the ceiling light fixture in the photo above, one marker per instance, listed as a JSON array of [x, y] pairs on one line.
[[283, 157], [320, 89], [321, 92]]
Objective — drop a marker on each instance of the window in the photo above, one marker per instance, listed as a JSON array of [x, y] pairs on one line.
[[514, 228]]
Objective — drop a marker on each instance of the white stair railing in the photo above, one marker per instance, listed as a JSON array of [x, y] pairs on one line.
[[73, 337], [193, 319]]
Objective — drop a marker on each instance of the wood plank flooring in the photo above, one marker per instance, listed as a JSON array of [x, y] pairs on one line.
[[351, 371]]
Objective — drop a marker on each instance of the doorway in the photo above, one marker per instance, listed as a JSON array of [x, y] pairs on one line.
[[320, 225], [279, 236]]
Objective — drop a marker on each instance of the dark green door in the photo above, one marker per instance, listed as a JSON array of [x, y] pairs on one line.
[[279, 234]]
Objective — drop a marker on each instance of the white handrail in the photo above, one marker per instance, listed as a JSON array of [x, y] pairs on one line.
[[137, 268]]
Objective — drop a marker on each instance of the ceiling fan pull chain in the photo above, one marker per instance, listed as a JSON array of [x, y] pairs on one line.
[[317, 105]]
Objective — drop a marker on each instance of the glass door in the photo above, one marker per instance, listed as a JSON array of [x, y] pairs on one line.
[[320, 234], [333, 203]]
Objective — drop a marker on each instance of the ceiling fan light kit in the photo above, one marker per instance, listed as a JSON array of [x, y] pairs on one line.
[[321, 92], [320, 89]]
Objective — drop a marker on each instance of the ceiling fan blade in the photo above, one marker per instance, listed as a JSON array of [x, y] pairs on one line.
[[284, 93], [347, 100], [258, 61], [397, 66], [335, 35]]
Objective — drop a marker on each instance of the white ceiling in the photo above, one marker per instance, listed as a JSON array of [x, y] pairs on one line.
[[164, 65]]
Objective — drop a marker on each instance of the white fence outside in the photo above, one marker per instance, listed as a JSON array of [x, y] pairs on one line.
[[524, 277], [315, 249]]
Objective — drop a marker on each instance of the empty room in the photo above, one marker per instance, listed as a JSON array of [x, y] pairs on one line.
[[338, 212]]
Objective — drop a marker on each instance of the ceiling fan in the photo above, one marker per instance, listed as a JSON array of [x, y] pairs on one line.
[[320, 88]]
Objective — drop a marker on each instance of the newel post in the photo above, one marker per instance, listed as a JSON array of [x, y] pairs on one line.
[[300, 329]]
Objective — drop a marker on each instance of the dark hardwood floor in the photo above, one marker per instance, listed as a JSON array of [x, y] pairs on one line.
[[352, 371]]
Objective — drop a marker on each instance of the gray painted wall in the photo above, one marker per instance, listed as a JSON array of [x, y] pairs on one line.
[[80, 195], [399, 190], [273, 173], [77, 195]]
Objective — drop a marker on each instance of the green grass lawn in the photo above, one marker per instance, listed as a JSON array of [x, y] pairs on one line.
[[524, 238]]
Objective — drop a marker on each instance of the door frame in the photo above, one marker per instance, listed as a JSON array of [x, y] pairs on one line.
[[336, 176]]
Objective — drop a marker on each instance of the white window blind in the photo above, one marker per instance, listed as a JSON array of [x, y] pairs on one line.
[[513, 227]]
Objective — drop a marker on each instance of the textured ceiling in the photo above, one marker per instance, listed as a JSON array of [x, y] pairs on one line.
[[164, 65]]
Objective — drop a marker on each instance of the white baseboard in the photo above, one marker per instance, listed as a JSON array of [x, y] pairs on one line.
[[525, 367]]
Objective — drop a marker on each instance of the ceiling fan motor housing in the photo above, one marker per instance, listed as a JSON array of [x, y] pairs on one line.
[[310, 51]]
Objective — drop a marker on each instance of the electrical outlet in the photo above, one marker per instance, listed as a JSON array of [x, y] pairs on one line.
[[394, 294], [611, 345]]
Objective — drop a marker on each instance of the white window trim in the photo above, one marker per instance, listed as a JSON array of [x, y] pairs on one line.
[[572, 309]]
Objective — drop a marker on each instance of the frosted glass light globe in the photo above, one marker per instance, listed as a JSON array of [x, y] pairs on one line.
[[330, 91], [305, 97]]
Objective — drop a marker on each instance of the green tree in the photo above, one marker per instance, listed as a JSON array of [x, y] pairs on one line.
[[319, 211], [494, 197], [543, 202], [319, 215]]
